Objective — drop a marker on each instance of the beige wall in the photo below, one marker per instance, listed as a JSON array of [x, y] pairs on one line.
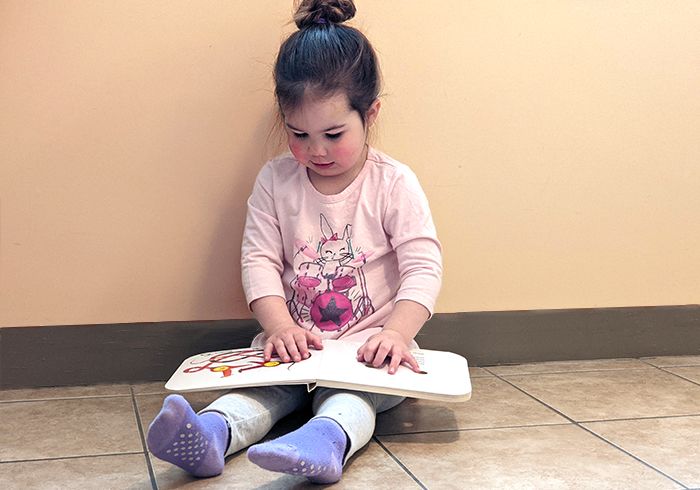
[[558, 143]]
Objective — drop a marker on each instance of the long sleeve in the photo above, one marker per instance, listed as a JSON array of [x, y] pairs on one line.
[[409, 225], [261, 250]]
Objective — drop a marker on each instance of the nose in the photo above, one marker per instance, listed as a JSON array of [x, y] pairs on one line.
[[316, 148]]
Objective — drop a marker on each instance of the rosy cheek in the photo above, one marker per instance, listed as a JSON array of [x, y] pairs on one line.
[[297, 149], [344, 151]]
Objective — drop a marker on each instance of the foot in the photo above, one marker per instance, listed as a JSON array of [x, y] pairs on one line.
[[315, 450], [195, 443]]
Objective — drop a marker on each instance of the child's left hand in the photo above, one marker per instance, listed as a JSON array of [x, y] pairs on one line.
[[388, 345]]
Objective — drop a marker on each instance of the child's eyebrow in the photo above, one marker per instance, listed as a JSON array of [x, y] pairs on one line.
[[332, 128]]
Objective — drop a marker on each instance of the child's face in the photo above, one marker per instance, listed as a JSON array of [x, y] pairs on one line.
[[328, 138]]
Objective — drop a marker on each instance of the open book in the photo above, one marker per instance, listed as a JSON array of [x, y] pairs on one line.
[[444, 376]]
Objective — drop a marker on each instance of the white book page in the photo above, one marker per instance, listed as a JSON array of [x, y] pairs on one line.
[[237, 368], [445, 375]]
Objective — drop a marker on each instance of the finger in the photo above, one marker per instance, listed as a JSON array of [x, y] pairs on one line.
[[369, 353], [267, 351], [380, 355], [363, 349], [281, 350], [291, 345], [315, 340], [361, 352], [303, 346], [411, 362], [394, 362]]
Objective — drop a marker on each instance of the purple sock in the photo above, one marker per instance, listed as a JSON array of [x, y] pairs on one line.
[[315, 450], [195, 443]]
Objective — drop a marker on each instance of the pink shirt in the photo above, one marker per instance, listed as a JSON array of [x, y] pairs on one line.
[[340, 261]]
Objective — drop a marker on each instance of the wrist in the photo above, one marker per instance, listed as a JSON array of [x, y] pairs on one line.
[[395, 331], [271, 330]]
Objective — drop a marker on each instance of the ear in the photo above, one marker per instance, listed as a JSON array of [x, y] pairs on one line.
[[326, 229], [372, 113]]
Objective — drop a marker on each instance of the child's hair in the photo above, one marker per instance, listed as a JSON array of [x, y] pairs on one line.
[[325, 57]]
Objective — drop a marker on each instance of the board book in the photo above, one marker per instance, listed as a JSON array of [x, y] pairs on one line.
[[444, 376]]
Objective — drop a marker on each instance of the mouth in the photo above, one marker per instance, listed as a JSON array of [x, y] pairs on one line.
[[322, 164]]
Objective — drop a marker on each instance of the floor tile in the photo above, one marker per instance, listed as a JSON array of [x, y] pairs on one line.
[[370, 468], [150, 405], [477, 372], [553, 457], [691, 372], [494, 403], [568, 366], [673, 361], [65, 392], [62, 428], [149, 388], [103, 472], [590, 396], [670, 444]]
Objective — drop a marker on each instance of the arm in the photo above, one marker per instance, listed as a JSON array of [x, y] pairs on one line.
[[411, 232], [284, 336], [262, 256]]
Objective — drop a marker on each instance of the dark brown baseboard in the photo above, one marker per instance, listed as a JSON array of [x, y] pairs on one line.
[[90, 354]]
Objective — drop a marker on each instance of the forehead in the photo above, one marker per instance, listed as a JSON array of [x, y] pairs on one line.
[[316, 113]]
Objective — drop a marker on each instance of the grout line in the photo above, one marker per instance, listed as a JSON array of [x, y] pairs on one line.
[[149, 465], [671, 365], [58, 458], [577, 424], [632, 455], [470, 429], [88, 397], [577, 371], [631, 419], [398, 462], [665, 370]]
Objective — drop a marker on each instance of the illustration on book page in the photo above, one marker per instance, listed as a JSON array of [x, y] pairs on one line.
[[230, 362]]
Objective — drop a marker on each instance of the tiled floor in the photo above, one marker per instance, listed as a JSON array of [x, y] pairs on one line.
[[622, 424]]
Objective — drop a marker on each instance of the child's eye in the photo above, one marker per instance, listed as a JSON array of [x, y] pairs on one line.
[[301, 136], [334, 136]]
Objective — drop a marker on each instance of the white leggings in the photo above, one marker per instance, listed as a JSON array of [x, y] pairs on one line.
[[251, 412]]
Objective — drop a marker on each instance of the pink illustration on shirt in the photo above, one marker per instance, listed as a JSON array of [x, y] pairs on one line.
[[329, 289]]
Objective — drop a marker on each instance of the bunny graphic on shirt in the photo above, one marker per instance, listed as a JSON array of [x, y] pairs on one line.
[[329, 289]]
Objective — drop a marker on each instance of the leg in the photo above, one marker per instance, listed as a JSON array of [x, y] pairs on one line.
[[251, 413], [343, 423], [354, 411], [199, 443]]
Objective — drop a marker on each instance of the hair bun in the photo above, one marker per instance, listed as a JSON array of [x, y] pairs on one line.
[[317, 12]]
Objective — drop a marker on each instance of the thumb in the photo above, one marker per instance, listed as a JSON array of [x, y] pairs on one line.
[[314, 340]]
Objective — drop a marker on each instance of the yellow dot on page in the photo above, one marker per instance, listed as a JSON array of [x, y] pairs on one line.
[[271, 363]]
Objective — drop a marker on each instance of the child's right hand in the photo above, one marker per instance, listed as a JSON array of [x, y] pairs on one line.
[[291, 343]]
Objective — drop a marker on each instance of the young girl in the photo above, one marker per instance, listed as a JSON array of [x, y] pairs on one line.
[[339, 243]]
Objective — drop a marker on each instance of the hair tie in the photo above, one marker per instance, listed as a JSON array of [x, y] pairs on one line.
[[320, 20]]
